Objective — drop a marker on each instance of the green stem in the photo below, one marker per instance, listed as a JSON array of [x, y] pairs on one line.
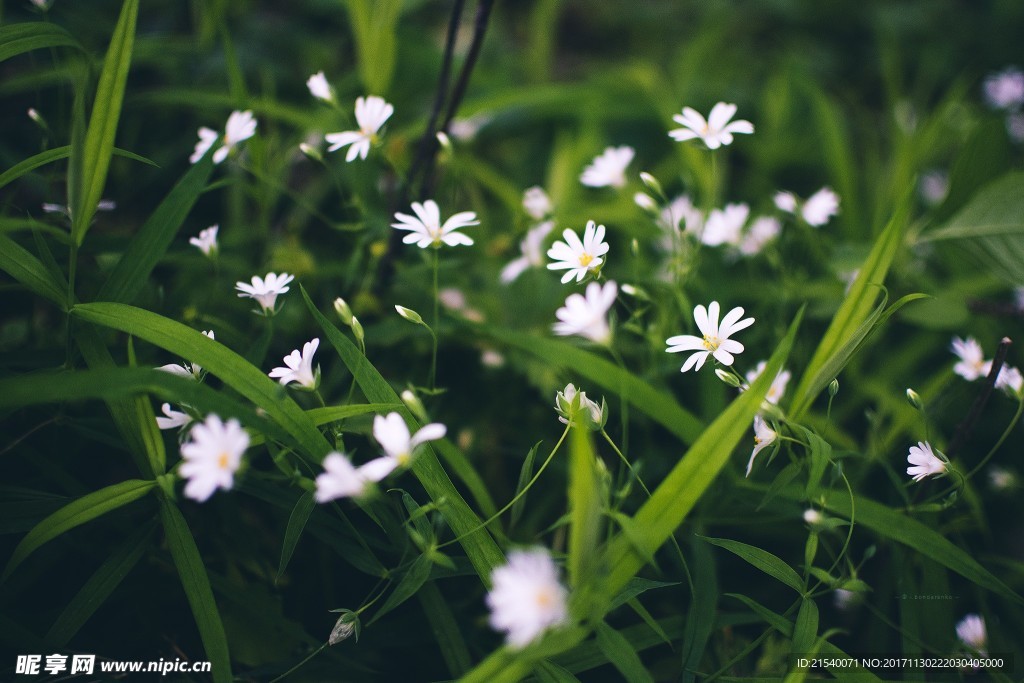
[[437, 321], [295, 668], [1006, 434]]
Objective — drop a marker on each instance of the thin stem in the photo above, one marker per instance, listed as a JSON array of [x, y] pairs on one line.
[[1006, 434], [437, 321], [623, 404], [963, 430], [295, 668]]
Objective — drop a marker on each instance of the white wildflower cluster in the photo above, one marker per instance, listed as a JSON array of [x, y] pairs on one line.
[[241, 126]]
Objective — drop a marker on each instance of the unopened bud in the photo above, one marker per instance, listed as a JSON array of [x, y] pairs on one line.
[[634, 247], [812, 516], [652, 182], [727, 377], [645, 202], [409, 314], [833, 388], [444, 141], [341, 307], [35, 116], [311, 151], [415, 405], [915, 399], [357, 329], [346, 627]]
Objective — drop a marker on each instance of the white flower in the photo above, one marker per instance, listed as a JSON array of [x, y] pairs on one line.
[[339, 480], [934, 187], [715, 340], [764, 436], [1009, 379], [845, 599], [726, 225], [762, 231], [579, 257], [1005, 90], [972, 358], [532, 252], [820, 207], [785, 201], [265, 291], [1001, 478], [526, 597], [971, 632], [240, 126], [186, 369], [392, 434], [207, 240], [174, 418], [585, 314], [609, 168], [536, 203], [319, 87], [778, 387], [681, 213], [812, 516], [212, 456], [925, 462], [425, 228], [299, 367], [371, 113], [572, 405], [716, 131]]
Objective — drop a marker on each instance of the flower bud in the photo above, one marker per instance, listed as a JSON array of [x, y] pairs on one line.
[[311, 152], [729, 378], [341, 307], [444, 141], [414, 404], [812, 516], [357, 329], [651, 182], [833, 388], [914, 399], [345, 627], [409, 314], [645, 202]]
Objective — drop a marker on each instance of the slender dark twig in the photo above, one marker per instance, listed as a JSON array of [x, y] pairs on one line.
[[963, 430]]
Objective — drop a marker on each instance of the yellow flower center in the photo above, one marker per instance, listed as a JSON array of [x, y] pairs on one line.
[[757, 440], [711, 343], [403, 458], [544, 599], [222, 461], [585, 259]]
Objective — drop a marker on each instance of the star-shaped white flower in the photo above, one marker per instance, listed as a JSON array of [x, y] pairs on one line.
[[972, 363], [340, 479], [526, 597], [392, 434], [240, 126], [924, 461], [764, 436], [1009, 378], [532, 252], [716, 131], [207, 240], [579, 257], [586, 314], [725, 226], [536, 203], [371, 113], [186, 369], [971, 632], [609, 168], [174, 418], [425, 228], [319, 87], [265, 290], [715, 341], [778, 387], [212, 456], [761, 231], [816, 211], [299, 367]]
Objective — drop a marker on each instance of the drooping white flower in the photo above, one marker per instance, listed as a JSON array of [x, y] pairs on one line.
[[392, 434], [715, 341], [206, 242], [240, 126], [716, 131], [526, 597], [212, 456], [186, 369], [972, 358], [371, 113], [425, 228], [573, 407], [778, 387], [971, 632], [299, 367], [725, 226], [924, 461], [586, 314], [319, 87], [1005, 90], [579, 257], [174, 418], [816, 211], [537, 203], [760, 232], [340, 479], [532, 249], [764, 436], [265, 290], [609, 168]]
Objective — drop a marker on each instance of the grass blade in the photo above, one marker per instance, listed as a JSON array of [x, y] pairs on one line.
[[584, 514], [701, 618], [770, 564], [24, 267], [56, 154], [293, 532], [621, 654], [17, 39]]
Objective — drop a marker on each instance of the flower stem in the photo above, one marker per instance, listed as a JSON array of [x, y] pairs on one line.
[[295, 668], [437, 322]]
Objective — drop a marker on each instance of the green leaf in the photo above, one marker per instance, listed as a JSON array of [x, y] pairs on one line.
[[700, 619], [293, 532], [673, 499], [658, 405], [770, 564], [806, 630], [106, 111], [76, 513], [219, 360], [196, 583], [55, 154], [549, 672], [584, 510], [446, 629], [621, 654], [149, 244], [856, 308], [525, 474], [20, 264], [635, 587], [16, 39], [100, 585], [991, 226], [374, 23], [412, 580]]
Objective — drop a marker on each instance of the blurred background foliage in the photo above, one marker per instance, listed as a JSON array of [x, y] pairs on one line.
[[864, 96]]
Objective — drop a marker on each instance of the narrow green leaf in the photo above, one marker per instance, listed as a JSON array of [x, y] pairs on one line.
[[106, 111], [621, 654], [700, 619], [293, 532], [329, 414], [230, 367], [24, 267], [525, 474], [805, 632], [150, 243], [673, 499], [636, 586], [146, 424], [446, 629], [762, 559], [16, 39], [100, 585], [584, 509], [55, 154], [76, 513], [412, 580], [549, 672], [196, 583], [374, 23]]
